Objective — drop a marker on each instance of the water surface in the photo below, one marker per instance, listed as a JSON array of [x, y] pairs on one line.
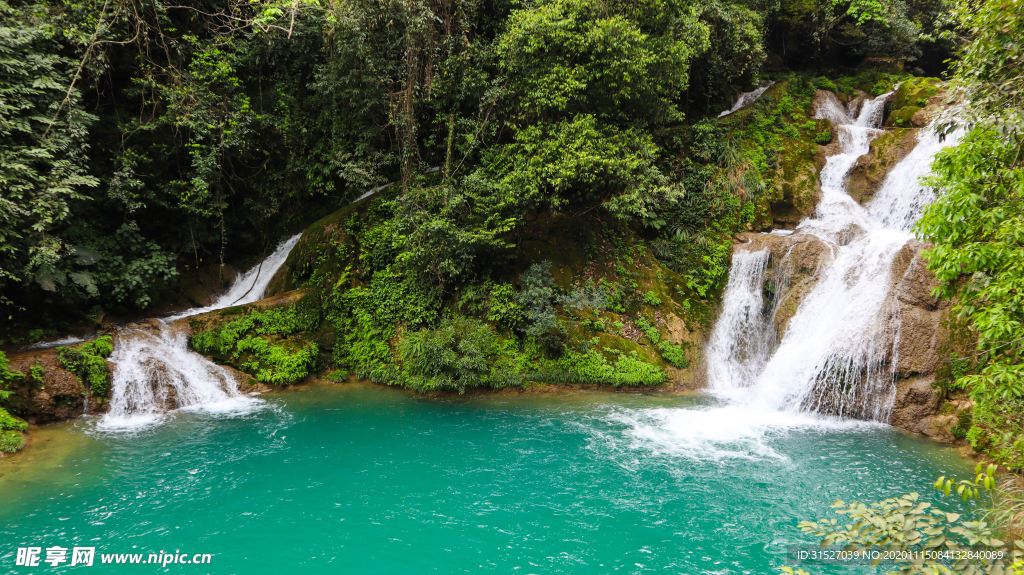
[[365, 479]]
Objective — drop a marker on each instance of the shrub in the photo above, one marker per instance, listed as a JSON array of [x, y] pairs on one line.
[[537, 300], [977, 437], [825, 84], [823, 137], [592, 367], [276, 364], [503, 306], [462, 353], [337, 375], [9, 423]]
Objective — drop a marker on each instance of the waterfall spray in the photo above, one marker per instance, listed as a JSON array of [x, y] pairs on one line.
[[838, 353], [156, 371]]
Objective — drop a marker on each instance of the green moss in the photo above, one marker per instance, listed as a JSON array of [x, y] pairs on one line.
[[87, 361], [902, 118], [964, 421]]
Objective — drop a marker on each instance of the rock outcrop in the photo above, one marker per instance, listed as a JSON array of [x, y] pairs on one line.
[[60, 395]]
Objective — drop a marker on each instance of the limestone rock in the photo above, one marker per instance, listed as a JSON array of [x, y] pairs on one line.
[[916, 400], [870, 170]]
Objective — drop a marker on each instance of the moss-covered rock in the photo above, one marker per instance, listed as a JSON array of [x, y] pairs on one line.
[[914, 103], [796, 189], [49, 392]]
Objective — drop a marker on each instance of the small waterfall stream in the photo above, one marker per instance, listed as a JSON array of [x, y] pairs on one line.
[[156, 371], [746, 98], [838, 353]]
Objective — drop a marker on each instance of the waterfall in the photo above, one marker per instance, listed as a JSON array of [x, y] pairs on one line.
[[838, 353], [156, 372], [746, 98]]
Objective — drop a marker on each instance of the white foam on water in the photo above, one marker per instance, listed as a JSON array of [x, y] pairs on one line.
[[156, 372], [720, 433], [838, 353], [69, 340]]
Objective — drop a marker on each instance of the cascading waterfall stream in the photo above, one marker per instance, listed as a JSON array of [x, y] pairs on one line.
[[156, 372], [839, 350], [746, 98]]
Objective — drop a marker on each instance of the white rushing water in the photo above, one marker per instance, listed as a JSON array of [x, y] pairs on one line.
[[156, 371], [834, 364], [838, 352], [746, 98]]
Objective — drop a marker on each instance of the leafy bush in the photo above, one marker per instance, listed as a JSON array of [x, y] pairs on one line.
[[462, 353], [674, 354], [537, 300], [905, 527], [8, 441], [87, 362], [504, 307], [592, 367], [825, 84], [277, 364], [650, 298], [337, 376], [283, 321], [978, 438], [823, 138], [7, 422], [248, 338]]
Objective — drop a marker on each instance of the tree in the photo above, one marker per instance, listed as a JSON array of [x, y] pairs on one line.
[[43, 152], [977, 224]]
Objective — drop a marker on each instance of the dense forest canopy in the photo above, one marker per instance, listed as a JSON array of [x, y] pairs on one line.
[[144, 140]]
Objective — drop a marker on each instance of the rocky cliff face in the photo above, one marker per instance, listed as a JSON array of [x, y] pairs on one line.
[[796, 261]]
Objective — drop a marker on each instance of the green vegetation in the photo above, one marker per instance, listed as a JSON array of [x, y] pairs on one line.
[[10, 428], [907, 524], [142, 145], [976, 226], [87, 361], [259, 343], [549, 171]]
